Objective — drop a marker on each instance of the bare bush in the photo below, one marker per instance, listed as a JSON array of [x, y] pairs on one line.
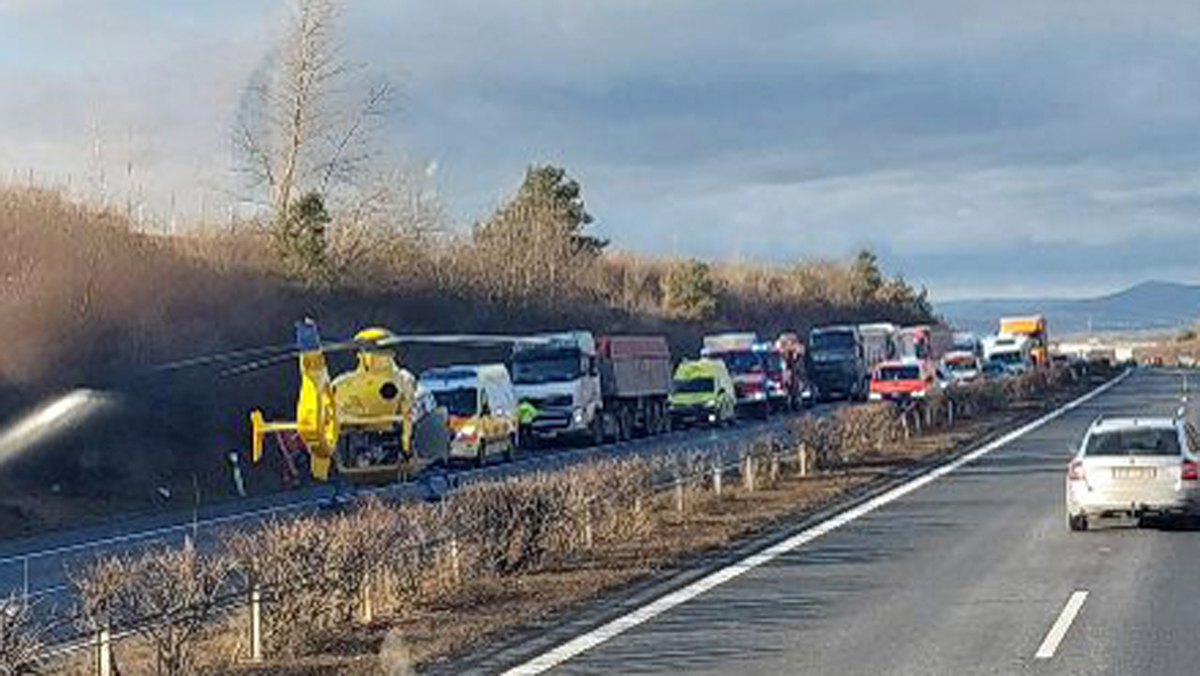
[[867, 429], [289, 561], [21, 638], [977, 398], [822, 436], [415, 566], [168, 596], [511, 522]]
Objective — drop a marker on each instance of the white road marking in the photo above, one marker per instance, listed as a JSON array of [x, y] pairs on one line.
[[620, 625], [1061, 625]]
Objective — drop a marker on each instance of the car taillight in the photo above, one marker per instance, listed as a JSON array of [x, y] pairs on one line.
[[1191, 471], [1075, 471]]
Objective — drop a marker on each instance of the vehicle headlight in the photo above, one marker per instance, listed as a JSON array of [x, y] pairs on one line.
[[711, 403], [467, 431], [579, 413]]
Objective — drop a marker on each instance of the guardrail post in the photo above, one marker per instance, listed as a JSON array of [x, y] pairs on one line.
[[748, 473], [25, 579], [367, 608], [455, 571], [802, 459], [256, 633], [587, 526], [774, 466], [679, 494], [950, 411], [103, 644], [717, 477]]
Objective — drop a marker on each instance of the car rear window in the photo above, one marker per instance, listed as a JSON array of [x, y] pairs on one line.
[[900, 373], [1140, 441]]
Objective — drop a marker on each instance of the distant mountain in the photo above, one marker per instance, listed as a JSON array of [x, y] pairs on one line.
[[1147, 306]]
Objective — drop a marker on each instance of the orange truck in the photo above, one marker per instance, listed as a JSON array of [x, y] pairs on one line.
[[1032, 327]]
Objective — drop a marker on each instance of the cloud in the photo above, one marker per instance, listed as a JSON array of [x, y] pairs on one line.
[[949, 136]]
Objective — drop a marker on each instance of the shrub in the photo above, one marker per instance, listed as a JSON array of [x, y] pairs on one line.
[[290, 560], [689, 292], [168, 596]]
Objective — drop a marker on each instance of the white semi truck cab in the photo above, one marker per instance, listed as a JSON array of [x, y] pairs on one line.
[[1013, 352], [575, 384], [558, 378]]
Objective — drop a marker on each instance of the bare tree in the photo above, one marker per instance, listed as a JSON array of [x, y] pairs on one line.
[[390, 223], [301, 129]]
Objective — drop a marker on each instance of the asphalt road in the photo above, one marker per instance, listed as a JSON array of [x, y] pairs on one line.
[[973, 573]]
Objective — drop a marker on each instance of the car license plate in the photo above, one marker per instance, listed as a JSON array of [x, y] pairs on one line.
[[1134, 472]]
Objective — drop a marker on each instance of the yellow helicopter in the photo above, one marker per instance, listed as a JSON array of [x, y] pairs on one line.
[[362, 421], [370, 424]]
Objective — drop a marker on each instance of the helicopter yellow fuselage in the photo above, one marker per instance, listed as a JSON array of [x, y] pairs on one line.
[[360, 421]]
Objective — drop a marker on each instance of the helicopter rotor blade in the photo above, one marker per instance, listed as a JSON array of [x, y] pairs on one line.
[[469, 339], [222, 357], [258, 365], [268, 356]]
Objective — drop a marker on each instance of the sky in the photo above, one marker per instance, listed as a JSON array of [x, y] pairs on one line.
[[979, 148]]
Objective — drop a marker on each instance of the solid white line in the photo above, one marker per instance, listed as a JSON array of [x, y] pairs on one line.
[[614, 628], [1061, 625], [157, 532]]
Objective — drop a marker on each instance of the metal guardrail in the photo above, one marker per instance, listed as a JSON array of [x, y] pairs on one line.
[[17, 570], [102, 640]]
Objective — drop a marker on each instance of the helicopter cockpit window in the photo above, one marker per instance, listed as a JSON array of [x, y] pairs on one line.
[[374, 361]]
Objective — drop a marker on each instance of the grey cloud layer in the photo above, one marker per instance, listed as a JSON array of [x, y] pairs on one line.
[[954, 137]]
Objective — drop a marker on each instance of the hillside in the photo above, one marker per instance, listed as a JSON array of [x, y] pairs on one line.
[[91, 308], [1152, 305]]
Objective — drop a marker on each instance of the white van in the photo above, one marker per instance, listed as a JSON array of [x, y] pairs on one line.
[[481, 408]]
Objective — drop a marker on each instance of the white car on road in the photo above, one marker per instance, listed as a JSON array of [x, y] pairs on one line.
[[1133, 467]]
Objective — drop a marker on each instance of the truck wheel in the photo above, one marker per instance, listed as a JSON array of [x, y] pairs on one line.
[[510, 451], [481, 454], [596, 429], [1077, 522], [665, 416], [625, 425]]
